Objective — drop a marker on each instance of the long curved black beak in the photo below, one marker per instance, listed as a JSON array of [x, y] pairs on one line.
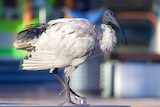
[[123, 34], [117, 25]]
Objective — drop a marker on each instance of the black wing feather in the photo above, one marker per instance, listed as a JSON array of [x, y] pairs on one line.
[[32, 31]]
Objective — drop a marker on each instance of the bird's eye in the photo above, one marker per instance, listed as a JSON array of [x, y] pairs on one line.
[[106, 15], [112, 13]]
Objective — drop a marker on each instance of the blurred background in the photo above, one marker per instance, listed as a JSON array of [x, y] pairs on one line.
[[131, 71]]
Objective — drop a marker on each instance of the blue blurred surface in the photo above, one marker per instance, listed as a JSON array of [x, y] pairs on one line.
[[10, 73]]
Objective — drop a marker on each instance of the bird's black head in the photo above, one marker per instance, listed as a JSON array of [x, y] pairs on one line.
[[110, 19]]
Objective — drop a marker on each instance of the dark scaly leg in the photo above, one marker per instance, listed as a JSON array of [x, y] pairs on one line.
[[68, 94], [55, 72]]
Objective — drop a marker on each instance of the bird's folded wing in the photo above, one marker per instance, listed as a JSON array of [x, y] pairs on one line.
[[39, 60], [63, 44], [69, 39]]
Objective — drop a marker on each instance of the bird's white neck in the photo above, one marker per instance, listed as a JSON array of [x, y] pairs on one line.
[[108, 41]]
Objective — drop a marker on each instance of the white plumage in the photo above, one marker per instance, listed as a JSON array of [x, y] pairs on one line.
[[66, 43]]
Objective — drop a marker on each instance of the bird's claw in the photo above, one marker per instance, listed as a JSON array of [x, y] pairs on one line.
[[82, 100], [73, 104], [68, 103], [76, 97]]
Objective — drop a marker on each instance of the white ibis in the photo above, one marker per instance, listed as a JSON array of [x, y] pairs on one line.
[[66, 43]]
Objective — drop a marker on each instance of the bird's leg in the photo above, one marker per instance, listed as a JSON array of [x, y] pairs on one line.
[[66, 86], [55, 72], [68, 95], [76, 96], [64, 83]]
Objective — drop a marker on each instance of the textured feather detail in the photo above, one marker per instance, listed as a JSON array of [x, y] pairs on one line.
[[40, 60], [67, 42], [33, 64], [28, 37], [32, 31], [108, 42]]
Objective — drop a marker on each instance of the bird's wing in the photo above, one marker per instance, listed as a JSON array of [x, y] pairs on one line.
[[65, 43], [28, 37]]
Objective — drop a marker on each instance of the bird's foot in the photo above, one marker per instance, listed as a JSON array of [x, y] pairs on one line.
[[82, 100], [68, 103], [75, 95]]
